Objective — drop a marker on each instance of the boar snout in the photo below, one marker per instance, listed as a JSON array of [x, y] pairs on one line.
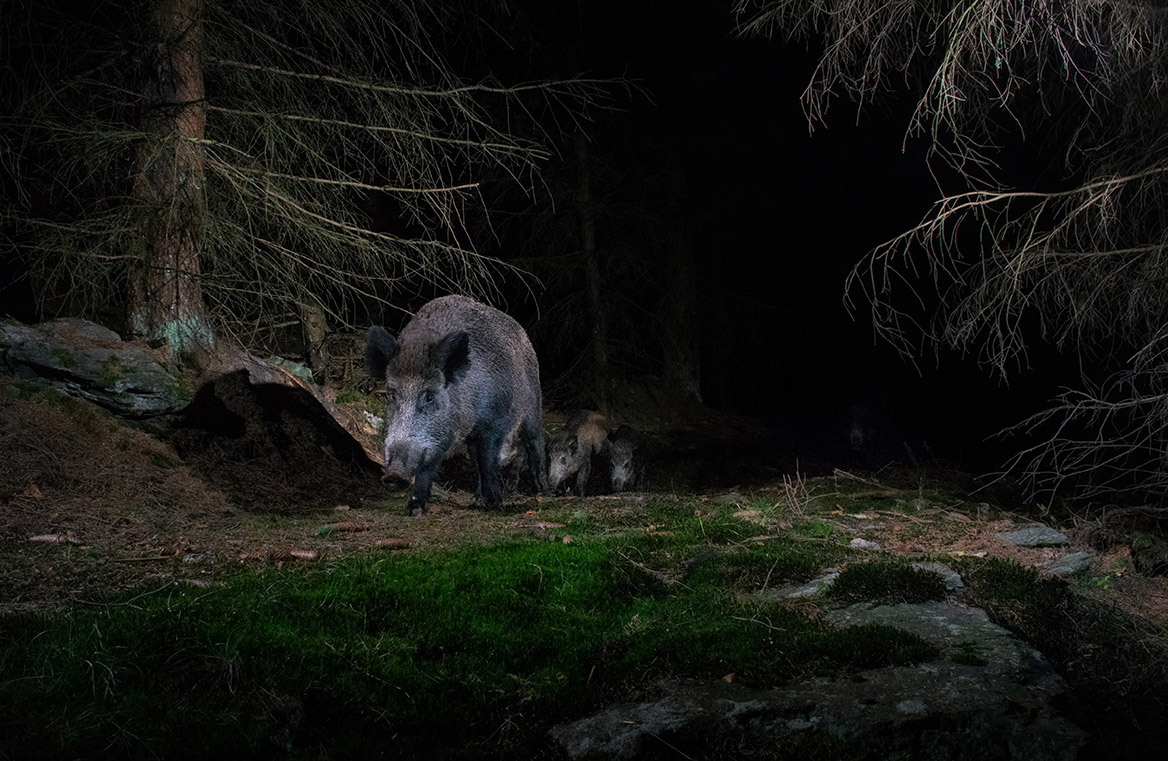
[[396, 468], [395, 461], [404, 461]]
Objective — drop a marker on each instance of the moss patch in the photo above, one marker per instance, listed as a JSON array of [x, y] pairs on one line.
[[886, 581], [377, 652]]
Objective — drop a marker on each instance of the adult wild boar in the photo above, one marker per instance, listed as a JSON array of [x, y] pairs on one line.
[[460, 372], [586, 435]]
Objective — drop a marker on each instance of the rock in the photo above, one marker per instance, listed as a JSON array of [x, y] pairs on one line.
[[863, 544], [1067, 565], [241, 419], [622, 731], [958, 632], [798, 591], [84, 359], [1035, 536], [953, 582], [1149, 554], [989, 697]]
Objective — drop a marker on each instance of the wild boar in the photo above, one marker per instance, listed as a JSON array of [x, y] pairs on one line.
[[868, 423], [459, 372], [571, 452], [622, 449]]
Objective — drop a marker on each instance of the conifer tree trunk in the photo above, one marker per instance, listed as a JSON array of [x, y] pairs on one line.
[[682, 344], [599, 375], [314, 326], [165, 300]]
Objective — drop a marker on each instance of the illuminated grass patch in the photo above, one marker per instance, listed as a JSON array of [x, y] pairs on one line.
[[381, 652], [886, 581]]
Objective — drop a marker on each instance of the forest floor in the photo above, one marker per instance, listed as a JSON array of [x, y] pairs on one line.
[[91, 505], [92, 508]]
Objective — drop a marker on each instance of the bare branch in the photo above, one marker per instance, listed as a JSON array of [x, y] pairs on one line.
[[339, 171], [990, 270]]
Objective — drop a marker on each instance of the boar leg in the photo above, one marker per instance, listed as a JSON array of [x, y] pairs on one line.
[[583, 474], [536, 451], [486, 453], [420, 494]]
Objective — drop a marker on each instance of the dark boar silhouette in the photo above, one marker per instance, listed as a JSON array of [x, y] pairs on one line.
[[585, 436], [461, 372], [622, 455]]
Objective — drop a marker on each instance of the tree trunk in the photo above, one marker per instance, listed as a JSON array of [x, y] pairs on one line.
[[598, 375], [682, 347], [165, 301], [315, 329]]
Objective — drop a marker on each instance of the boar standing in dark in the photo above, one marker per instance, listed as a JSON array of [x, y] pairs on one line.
[[571, 452], [622, 450], [460, 372]]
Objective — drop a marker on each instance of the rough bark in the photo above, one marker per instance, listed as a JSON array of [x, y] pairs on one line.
[[165, 301], [315, 329], [682, 347], [598, 377]]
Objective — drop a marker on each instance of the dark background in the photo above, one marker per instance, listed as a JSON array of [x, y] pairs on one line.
[[711, 142], [778, 216]]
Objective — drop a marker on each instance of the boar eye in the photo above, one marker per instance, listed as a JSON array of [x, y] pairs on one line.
[[392, 395], [428, 397]]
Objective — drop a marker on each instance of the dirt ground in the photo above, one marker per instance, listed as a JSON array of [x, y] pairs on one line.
[[92, 506]]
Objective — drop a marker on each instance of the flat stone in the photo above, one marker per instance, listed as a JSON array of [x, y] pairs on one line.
[[803, 591], [957, 631], [989, 697], [1035, 536], [953, 582], [1067, 565]]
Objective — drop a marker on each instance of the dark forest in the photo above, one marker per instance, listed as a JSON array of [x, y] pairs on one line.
[[802, 356]]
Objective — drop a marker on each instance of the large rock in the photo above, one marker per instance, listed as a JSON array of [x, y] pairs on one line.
[[84, 359], [990, 696]]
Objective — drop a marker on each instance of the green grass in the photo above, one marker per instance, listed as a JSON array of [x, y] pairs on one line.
[[377, 653], [475, 652], [767, 565], [886, 581], [815, 529]]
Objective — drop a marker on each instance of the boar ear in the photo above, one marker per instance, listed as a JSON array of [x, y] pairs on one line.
[[380, 348], [452, 355]]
